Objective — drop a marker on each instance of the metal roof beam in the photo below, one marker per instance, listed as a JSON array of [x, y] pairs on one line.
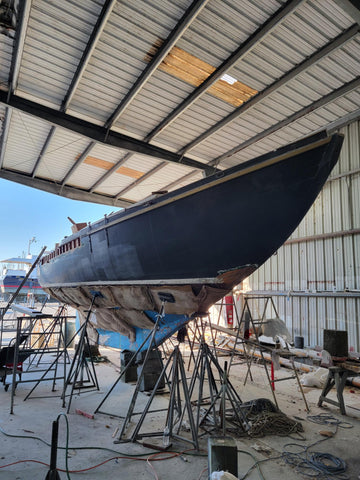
[[348, 87], [110, 172], [78, 162], [188, 17], [343, 121], [94, 37], [43, 151], [4, 135], [64, 191], [180, 180], [96, 132], [352, 8], [235, 57], [317, 56], [24, 14], [144, 177]]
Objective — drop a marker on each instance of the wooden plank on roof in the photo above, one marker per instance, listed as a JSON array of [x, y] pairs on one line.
[[105, 165], [194, 71]]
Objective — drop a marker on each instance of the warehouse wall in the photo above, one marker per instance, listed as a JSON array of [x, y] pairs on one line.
[[315, 277]]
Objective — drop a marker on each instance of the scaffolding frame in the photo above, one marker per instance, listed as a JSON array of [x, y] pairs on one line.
[[30, 344], [248, 322]]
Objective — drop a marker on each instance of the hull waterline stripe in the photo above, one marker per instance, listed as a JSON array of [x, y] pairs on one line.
[[171, 282]]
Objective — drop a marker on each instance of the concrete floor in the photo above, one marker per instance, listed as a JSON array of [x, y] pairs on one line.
[[33, 419]]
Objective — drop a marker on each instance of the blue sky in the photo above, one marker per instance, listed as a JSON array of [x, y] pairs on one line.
[[26, 212]]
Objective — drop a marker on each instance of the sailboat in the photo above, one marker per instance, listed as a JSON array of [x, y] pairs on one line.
[[195, 243]]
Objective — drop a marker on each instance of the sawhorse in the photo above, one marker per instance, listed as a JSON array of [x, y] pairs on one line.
[[337, 377]]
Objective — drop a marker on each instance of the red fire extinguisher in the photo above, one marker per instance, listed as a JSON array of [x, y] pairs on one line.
[[229, 306]]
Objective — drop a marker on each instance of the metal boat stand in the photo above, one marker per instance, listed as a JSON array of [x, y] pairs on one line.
[[164, 298], [176, 410], [244, 321], [206, 364], [124, 371], [82, 373], [199, 327], [275, 352]]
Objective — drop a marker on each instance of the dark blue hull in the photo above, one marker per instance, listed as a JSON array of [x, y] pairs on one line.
[[197, 242]]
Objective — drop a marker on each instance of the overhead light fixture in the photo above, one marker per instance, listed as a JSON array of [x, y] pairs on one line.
[[228, 79]]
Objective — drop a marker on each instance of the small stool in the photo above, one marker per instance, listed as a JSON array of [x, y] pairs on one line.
[[337, 377]]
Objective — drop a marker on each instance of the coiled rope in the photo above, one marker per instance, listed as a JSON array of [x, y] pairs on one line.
[[273, 423]]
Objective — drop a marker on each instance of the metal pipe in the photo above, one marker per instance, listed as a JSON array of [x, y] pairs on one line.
[[298, 293], [323, 236]]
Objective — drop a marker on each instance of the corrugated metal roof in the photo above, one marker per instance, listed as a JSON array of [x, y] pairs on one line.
[[27, 135], [109, 74], [6, 47]]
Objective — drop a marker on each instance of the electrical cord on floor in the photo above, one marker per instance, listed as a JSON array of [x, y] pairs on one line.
[[32, 437], [327, 419], [202, 473], [119, 455], [256, 464], [132, 455], [66, 444], [311, 464], [328, 464], [317, 464]]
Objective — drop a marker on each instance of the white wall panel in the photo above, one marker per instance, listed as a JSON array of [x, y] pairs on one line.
[[311, 266], [312, 332], [352, 313], [331, 313], [322, 320], [356, 242], [341, 320]]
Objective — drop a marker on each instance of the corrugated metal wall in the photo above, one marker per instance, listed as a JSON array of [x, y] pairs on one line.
[[315, 277]]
